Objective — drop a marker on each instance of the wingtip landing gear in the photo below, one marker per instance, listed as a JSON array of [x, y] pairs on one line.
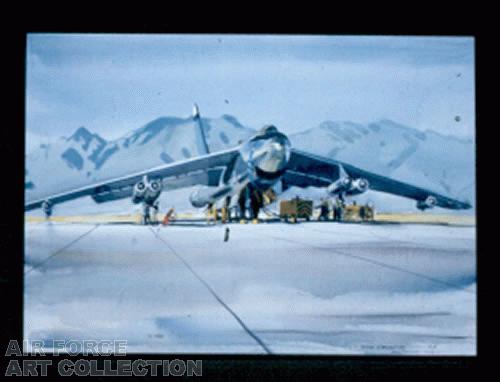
[[47, 208]]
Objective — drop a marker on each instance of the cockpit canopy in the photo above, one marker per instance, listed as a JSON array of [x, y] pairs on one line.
[[268, 129]]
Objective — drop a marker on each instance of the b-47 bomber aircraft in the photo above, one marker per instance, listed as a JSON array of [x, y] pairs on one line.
[[246, 172]]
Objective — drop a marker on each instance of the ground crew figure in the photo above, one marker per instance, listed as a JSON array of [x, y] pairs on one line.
[[223, 215], [362, 213], [370, 211], [229, 210], [209, 212], [215, 213], [242, 204], [336, 210], [324, 210], [225, 212], [331, 207], [339, 209], [145, 214], [156, 207]]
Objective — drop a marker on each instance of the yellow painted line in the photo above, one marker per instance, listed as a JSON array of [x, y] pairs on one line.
[[427, 219], [462, 220], [128, 218], [88, 219]]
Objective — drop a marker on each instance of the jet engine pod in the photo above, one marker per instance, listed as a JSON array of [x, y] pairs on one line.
[[205, 195], [155, 185], [429, 202], [153, 191], [358, 186], [139, 191], [339, 186]]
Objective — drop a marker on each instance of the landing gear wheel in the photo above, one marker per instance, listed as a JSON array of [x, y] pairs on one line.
[[256, 202], [146, 217], [242, 203]]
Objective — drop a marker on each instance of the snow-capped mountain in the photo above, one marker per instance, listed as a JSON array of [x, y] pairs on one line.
[[444, 164], [441, 163]]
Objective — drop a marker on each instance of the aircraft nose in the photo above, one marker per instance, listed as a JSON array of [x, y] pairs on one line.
[[276, 149], [276, 156]]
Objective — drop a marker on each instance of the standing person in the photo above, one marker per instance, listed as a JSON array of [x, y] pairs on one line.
[[210, 208], [155, 207], [242, 203], [339, 209], [215, 213], [362, 213], [342, 209], [145, 213], [336, 210], [228, 204], [225, 212], [324, 210]]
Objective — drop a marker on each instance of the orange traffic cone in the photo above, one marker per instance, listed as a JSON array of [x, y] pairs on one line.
[[168, 217]]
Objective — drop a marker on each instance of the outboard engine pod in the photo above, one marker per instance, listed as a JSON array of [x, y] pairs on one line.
[[429, 202], [359, 185], [339, 186], [348, 186]]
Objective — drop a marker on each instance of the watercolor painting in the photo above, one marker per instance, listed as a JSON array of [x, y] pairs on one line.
[[251, 194]]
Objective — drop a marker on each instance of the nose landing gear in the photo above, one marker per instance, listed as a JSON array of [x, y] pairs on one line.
[[250, 199]]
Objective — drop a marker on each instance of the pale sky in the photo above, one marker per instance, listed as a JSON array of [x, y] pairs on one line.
[[112, 83]]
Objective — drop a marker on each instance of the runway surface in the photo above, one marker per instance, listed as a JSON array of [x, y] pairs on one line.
[[311, 288]]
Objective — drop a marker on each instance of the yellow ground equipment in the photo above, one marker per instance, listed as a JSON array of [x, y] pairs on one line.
[[269, 196], [295, 209], [212, 214], [357, 213]]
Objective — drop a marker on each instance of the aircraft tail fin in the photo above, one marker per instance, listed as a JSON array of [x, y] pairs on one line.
[[196, 117]]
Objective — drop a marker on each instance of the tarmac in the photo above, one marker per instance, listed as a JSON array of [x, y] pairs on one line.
[[308, 288]]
